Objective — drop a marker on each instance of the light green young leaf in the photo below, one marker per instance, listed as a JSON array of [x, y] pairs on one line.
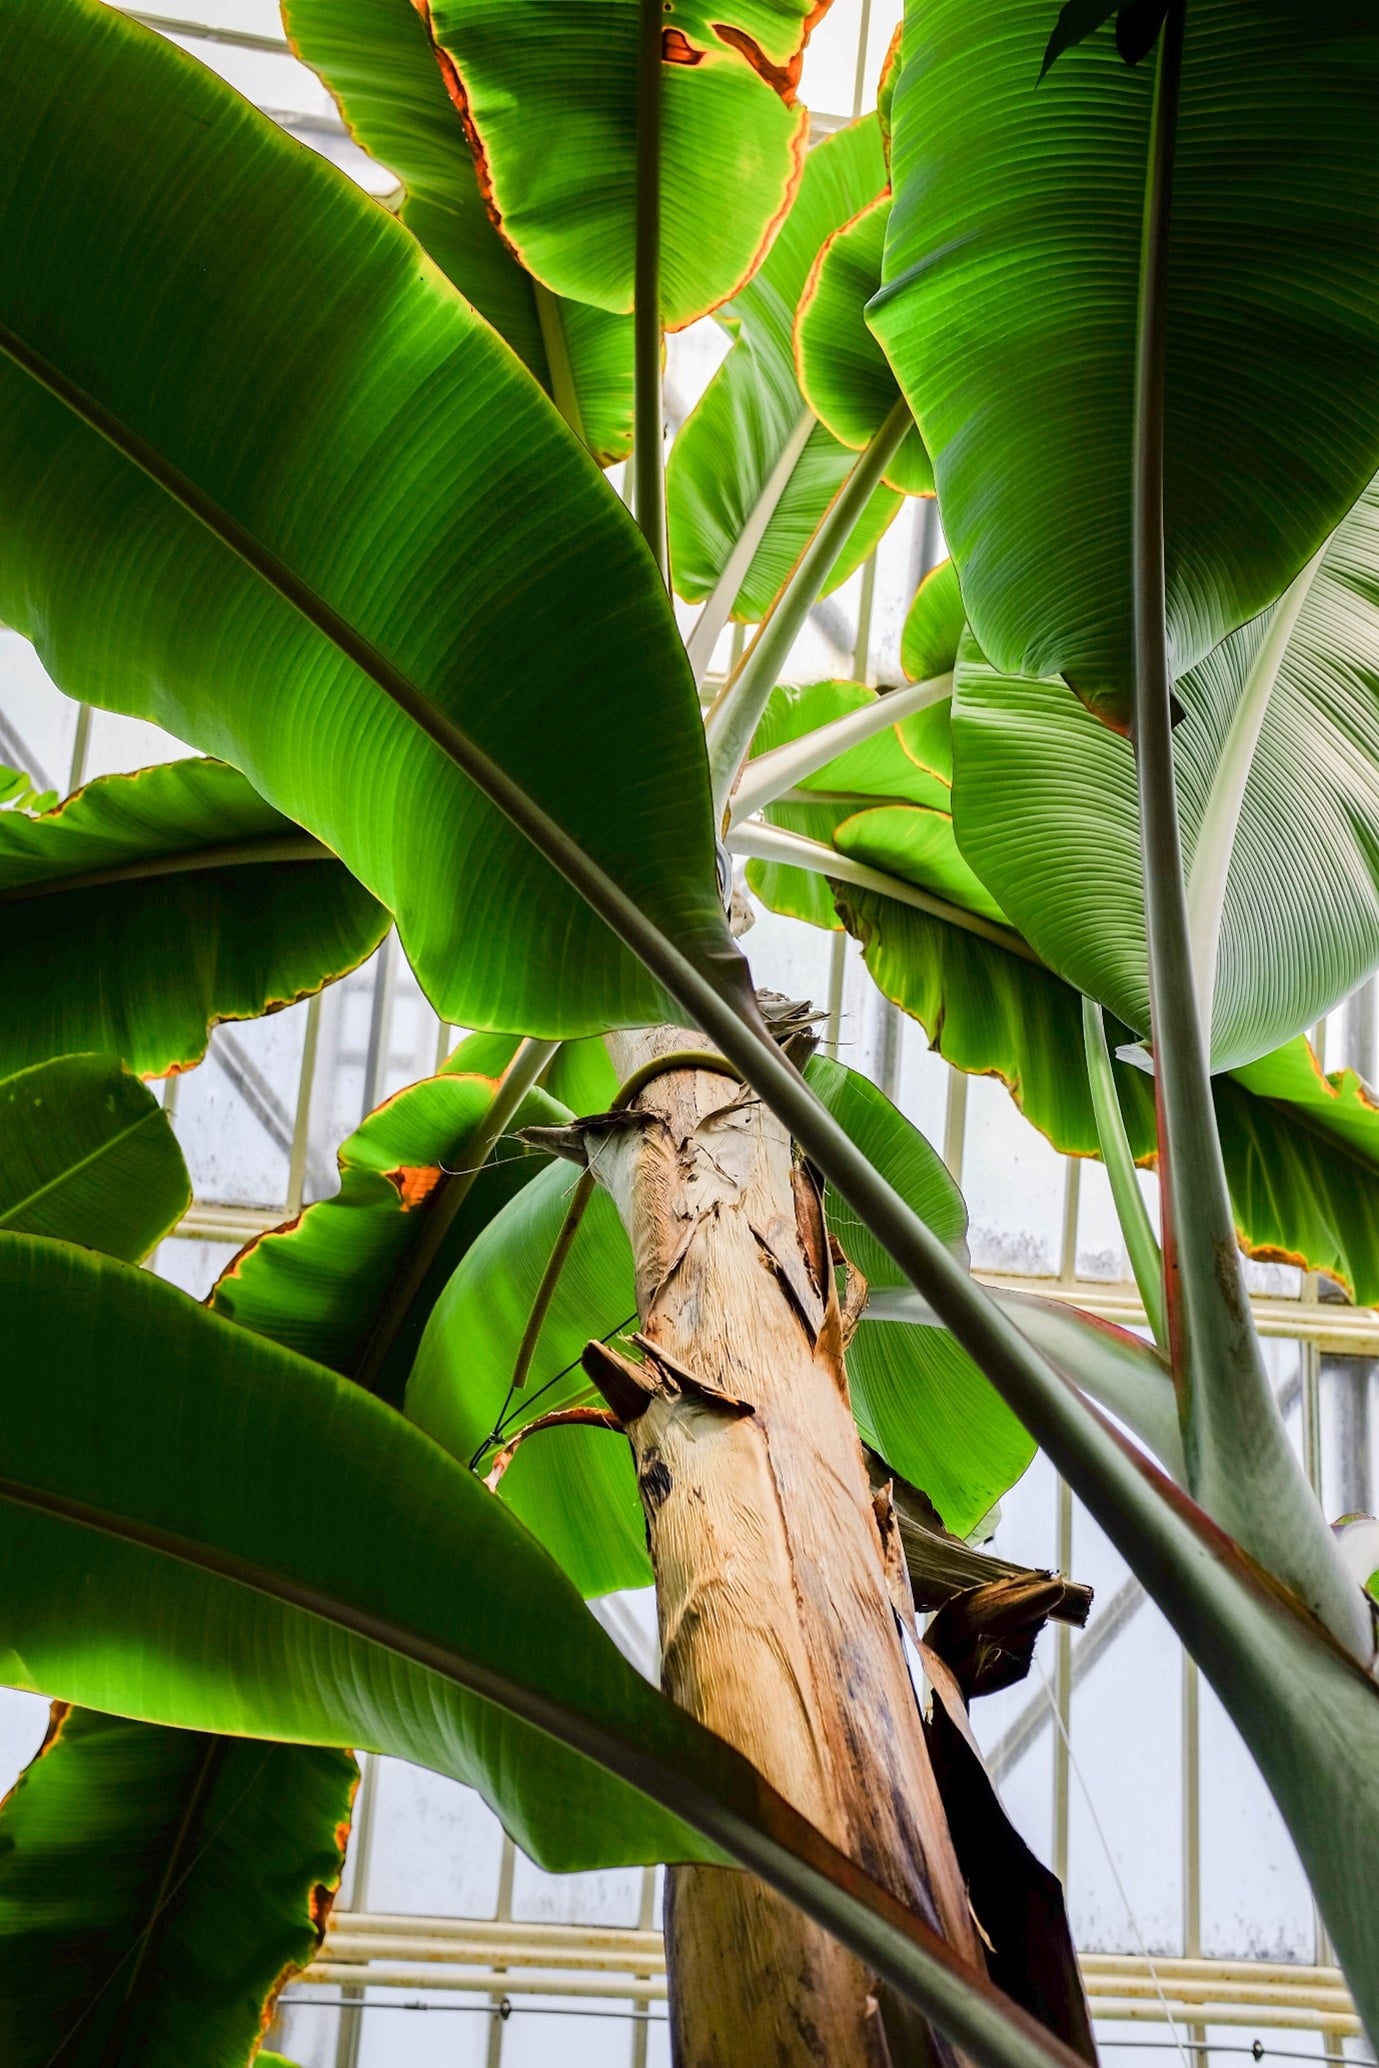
[[334, 1283], [909, 760], [574, 1488], [842, 370], [729, 447], [934, 625]]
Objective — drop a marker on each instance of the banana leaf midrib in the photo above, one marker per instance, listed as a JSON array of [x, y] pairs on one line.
[[747, 1818], [109, 1147], [191, 861], [658, 953], [145, 1945]]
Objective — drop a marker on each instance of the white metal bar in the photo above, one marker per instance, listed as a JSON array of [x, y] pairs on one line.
[[380, 1023], [955, 1124], [361, 1841], [837, 977], [346, 1945], [1072, 1200], [306, 1081], [205, 1221], [81, 747], [1192, 1810], [210, 32], [1062, 1693], [407, 1925], [1232, 1973], [486, 1980], [627, 1947], [646, 1920], [1343, 1331], [1148, 2010], [859, 91], [617, 1963], [1125, 1994], [861, 645], [1348, 1331]]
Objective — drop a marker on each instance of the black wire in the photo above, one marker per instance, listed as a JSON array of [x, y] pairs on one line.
[[500, 1427], [531, 1398], [1257, 2049], [505, 2009], [508, 2009]]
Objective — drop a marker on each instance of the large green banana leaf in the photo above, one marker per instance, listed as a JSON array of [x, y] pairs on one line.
[[148, 907], [336, 1283], [383, 496], [549, 94], [373, 1591], [378, 60], [843, 371], [157, 1887], [579, 1073], [1277, 767], [987, 1002], [1009, 315], [732, 442], [87, 1155], [995, 1013], [230, 1538], [254, 1459], [916, 846]]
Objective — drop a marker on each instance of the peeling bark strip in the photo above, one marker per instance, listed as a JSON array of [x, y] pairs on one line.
[[777, 1625]]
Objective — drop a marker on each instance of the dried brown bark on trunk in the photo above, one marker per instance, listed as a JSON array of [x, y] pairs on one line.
[[777, 1623]]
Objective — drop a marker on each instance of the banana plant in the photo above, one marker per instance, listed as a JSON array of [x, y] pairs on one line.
[[335, 519]]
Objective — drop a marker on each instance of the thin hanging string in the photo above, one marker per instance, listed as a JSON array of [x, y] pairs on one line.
[[626, 1094], [504, 1419], [1073, 1762], [490, 1162]]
